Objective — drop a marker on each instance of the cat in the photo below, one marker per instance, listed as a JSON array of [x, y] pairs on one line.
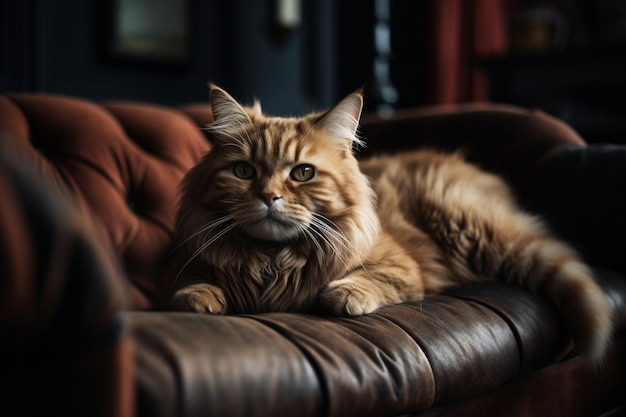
[[281, 216]]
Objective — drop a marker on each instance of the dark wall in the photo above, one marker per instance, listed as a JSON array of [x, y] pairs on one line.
[[58, 46], [64, 53], [409, 38], [291, 71]]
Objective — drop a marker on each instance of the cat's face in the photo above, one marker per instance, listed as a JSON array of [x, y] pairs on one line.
[[282, 179]]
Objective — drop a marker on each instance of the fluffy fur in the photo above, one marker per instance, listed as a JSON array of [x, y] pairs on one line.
[[280, 216]]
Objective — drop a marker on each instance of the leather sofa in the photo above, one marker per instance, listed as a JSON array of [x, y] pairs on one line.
[[88, 197]]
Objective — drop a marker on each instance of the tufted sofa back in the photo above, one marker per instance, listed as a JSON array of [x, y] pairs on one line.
[[123, 161]]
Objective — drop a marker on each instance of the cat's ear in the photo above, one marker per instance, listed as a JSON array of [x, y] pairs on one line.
[[227, 113], [342, 121], [256, 108]]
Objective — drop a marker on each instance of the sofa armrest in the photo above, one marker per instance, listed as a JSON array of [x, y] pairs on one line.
[[62, 346]]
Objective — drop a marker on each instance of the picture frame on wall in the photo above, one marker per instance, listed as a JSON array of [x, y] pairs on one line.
[[156, 32]]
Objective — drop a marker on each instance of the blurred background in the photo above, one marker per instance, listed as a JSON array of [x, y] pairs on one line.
[[567, 57]]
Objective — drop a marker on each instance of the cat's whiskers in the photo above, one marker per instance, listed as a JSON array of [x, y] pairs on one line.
[[207, 227], [206, 241], [311, 236], [229, 202], [183, 217], [328, 225], [330, 244], [331, 227]]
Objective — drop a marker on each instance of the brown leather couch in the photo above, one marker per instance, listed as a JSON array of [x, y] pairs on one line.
[[88, 195]]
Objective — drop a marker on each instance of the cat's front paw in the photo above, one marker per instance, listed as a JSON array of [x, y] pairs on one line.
[[349, 296], [201, 298]]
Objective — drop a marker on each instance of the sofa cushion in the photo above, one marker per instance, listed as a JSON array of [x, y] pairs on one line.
[[455, 347]]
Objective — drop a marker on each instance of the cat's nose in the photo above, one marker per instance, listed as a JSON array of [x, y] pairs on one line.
[[269, 198]]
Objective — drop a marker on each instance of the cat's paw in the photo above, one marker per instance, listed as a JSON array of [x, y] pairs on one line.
[[201, 298], [349, 296]]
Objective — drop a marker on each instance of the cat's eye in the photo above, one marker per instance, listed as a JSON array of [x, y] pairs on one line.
[[244, 170], [302, 172]]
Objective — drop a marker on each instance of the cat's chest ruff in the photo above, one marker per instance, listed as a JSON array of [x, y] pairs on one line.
[[278, 277], [279, 261]]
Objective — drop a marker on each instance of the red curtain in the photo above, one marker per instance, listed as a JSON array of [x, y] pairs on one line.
[[462, 33]]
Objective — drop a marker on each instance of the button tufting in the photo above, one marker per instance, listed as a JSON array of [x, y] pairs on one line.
[[133, 204]]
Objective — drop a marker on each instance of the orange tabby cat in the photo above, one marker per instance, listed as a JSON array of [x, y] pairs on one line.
[[280, 216]]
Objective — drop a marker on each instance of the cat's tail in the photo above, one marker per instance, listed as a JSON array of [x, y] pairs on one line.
[[544, 264]]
